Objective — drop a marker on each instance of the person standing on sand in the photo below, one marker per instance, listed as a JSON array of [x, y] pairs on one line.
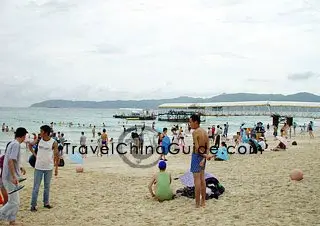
[[198, 159], [210, 133], [94, 131], [104, 138], [165, 144], [83, 140], [47, 160], [99, 143], [213, 132], [218, 136], [310, 129], [10, 177]]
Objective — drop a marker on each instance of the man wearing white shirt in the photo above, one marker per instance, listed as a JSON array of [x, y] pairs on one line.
[[46, 160]]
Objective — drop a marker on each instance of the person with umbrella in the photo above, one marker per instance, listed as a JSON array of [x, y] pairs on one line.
[[198, 159]]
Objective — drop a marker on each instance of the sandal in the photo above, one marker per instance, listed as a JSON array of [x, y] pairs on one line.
[[17, 188], [48, 206], [22, 179]]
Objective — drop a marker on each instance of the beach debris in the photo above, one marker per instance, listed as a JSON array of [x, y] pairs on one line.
[[296, 175], [79, 169]]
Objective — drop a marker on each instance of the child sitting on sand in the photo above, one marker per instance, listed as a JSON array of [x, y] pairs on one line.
[[222, 153], [162, 182]]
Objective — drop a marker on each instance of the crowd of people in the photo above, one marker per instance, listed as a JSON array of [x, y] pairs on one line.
[[159, 185], [47, 151], [5, 128]]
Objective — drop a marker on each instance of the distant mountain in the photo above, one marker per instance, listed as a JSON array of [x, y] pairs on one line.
[[299, 97], [153, 104]]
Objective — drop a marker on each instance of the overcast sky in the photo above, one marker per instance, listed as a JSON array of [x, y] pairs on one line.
[[117, 49]]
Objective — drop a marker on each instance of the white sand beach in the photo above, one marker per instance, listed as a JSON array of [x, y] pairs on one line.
[[258, 192]]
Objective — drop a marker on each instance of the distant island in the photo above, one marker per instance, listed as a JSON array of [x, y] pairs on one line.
[[153, 104]]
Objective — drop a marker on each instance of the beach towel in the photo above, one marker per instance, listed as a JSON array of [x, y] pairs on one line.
[[188, 181], [213, 187], [222, 154]]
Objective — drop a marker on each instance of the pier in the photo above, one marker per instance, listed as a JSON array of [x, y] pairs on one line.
[[251, 108]]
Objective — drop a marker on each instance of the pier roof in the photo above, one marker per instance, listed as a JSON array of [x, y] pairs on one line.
[[239, 104]]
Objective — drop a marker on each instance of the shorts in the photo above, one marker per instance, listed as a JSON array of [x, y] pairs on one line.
[[195, 163], [104, 142]]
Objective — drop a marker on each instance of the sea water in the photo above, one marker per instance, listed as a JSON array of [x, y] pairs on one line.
[[33, 118]]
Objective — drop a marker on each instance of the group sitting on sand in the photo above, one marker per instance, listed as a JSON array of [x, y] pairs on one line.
[[159, 186]]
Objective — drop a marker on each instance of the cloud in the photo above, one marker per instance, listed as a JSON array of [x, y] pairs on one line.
[[116, 49], [104, 48], [303, 76], [257, 80]]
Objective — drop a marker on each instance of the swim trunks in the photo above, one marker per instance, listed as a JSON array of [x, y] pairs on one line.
[[195, 163]]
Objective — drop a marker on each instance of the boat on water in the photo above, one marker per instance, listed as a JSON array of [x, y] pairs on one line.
[[179, 116], [135, 114]]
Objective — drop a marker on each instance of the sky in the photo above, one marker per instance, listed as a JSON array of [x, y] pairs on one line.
[[149, 49]]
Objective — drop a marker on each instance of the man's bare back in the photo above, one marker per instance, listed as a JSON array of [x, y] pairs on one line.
[[201, 141], [198, 161], [104, 137]]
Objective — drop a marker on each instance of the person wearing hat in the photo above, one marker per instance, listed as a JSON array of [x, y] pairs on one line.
[[162, 181], [11, 176]]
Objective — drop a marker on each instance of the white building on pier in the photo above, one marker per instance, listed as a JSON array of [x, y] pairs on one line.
[[250, 108]]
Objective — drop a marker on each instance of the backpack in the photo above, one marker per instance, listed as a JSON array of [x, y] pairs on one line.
[[2, 158], [32, 158]]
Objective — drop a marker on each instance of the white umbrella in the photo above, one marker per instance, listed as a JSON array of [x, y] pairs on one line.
[[187, 178]]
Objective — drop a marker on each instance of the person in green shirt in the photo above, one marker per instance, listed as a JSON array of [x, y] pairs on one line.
[[162, 183]]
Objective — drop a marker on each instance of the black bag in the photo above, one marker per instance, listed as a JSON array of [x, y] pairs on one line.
[[61, 162], [212, 183], [32, 161], [32, 158]]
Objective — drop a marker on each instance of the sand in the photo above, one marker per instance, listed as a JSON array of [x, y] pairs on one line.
[[258, 192]]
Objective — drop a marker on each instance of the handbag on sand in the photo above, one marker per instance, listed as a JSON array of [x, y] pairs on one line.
[[61, 162]]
